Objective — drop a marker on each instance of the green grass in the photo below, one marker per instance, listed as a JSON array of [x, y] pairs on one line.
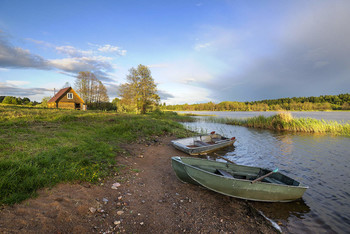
[[285, 122], [42, 147]]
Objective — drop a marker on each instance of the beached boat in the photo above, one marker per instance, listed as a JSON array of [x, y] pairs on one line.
[[202, 144], [237, 180]]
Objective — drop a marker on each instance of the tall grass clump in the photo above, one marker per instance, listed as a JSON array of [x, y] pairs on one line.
[[285, 122], [42, 147]]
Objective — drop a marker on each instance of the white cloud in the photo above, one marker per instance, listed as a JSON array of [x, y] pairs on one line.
[[182, 93], [77, 60], [199, 47], [17, 82], [112, 49], [100, 65], [73, 52], [44, 43]]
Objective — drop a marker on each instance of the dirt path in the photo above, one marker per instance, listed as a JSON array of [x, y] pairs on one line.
[[149, 199]]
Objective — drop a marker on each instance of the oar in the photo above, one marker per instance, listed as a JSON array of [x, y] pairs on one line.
[[224, 158], [264, 176]]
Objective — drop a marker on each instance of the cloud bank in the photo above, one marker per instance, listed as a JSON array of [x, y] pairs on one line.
[[77, 60], [310, 57], [9, 89]]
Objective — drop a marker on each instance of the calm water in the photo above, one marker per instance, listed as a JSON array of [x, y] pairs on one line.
[[340, 116], [321, 162]]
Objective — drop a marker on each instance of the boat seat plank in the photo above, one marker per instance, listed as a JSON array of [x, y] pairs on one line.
[[225, 173], [245, 174], [273, 181], [201, 143]]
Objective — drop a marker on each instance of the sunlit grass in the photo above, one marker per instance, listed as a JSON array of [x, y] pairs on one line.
[[43, 147], [285, 122]]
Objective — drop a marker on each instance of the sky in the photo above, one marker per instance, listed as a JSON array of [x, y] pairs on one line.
[[197, 51]]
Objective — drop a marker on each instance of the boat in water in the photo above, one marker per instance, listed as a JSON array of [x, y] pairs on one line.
[[245, 182], [198, 145]]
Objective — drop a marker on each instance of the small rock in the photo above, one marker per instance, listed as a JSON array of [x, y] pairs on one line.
[[120, 198], [181, 200], [160, 201], [120, 212], [138, 214], [143, 201], [115, 185], [105, 200], [142, 223], [92, 209], [117, 222], [100, 210]]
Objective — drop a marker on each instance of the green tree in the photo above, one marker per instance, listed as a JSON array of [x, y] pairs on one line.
[[44, 101], [8, 100], [140, 90]]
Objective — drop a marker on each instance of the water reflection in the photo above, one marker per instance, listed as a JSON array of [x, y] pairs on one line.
[[319, 161], [283, 211]]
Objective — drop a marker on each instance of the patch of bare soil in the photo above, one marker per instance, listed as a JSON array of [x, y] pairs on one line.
[[150, 198]]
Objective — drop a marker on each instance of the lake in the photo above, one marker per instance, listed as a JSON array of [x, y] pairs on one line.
[[319, 161]]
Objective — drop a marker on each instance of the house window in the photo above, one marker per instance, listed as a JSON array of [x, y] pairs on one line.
[[70, 95]]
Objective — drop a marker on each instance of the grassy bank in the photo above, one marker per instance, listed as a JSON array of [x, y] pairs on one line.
[[42, 147], [285, 122]]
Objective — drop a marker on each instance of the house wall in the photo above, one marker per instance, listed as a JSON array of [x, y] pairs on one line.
[[66, 105], [51, 104]]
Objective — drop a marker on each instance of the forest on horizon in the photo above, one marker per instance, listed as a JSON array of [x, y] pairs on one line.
[[321, 103]]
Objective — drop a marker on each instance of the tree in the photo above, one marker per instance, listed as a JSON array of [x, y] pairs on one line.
[[44, 101], [90, 89], [8, 100], [140, 90]]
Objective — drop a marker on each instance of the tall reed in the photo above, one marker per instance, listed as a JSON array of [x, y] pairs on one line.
[[285, 122]]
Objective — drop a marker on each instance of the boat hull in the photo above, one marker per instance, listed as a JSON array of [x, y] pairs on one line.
[[184, 145], [202, 172]]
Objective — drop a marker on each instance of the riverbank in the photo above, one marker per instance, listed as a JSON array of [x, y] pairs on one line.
[[149, 199]]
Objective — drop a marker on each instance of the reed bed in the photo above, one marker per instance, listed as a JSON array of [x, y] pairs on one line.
[[285, 122]]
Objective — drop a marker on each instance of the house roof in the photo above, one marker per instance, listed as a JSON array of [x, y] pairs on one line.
[[59, 94]]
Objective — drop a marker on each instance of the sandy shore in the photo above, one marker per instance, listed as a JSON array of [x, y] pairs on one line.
[[149, 199]]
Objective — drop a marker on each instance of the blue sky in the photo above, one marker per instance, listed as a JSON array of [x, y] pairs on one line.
[[198, 51]]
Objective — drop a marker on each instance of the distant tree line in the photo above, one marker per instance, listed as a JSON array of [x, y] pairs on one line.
[[17, 101], [322, 103]]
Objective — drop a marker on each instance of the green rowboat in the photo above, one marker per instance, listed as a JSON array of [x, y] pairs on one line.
[[236, 180], [198, 145]]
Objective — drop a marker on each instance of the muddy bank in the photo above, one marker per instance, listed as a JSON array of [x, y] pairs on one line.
[[149, 199]]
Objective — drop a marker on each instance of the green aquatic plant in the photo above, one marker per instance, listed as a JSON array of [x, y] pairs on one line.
[[285, 122]]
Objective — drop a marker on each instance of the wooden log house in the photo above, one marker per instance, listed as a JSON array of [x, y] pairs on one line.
[[66, 98]]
